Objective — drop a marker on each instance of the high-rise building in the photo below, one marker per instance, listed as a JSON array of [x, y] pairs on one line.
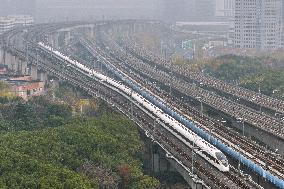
[[225, 8], [6, 24], [282, 35], [257, 24], [22, 20], [282, 12], [9, 22]]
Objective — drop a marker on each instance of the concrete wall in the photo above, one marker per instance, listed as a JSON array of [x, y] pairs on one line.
[[270, 140]]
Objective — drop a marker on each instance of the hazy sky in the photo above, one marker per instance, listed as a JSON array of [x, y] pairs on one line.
[[61, 10], [84, 9], [46, 9]]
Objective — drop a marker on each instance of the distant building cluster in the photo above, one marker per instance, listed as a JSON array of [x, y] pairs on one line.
[[250, 24], [23, 86], [258, 24], [26, 87], [9, 22]]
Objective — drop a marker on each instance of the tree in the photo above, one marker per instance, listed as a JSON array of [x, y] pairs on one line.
[[77, 154], [146, 182], [25, 118], [124, 173], [54, 121], [60, 110], [4, 124]]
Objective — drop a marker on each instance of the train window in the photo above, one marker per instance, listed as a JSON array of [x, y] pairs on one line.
[[210, 156], [221, 157]]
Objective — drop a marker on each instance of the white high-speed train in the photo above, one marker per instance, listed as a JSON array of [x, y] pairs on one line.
[[203, 148]]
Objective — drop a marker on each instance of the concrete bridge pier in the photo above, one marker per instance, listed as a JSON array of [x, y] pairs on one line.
[[19, 66], [152, 27], [14, 64], [264, 137], [67, 37], [42, 76], [33, 72], [157, 162], [193, 182], [132, 27], [128, 30], [50, 40], [96, 31], [9, 60], [91, 31], [55, 40], [135, 27], [118, 29], [1, 56], [22, 67], [142, 27]]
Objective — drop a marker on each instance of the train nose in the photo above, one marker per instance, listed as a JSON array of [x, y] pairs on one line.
[[226, 169]]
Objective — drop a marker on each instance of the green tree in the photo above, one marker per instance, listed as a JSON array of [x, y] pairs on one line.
[[4, 124], [55, 157], [146, 182], [25, 118], [60, 110]]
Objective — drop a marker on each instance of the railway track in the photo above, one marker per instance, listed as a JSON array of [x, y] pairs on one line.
[[253, 117], [167, 141], [249, 149], [272, 160], [237, 180], [240, 92]]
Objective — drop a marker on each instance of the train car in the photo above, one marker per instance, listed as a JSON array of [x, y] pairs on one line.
[[204, 149]]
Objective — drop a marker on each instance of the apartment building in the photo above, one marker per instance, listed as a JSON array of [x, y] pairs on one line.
[[9, 22], [257, 24], [6, 24], [225, 8]]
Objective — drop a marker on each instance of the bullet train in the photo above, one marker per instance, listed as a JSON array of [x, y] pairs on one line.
[[201, 147]]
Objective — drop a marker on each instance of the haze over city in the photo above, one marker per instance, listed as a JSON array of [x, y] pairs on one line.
[[142, 94], [60, 10]]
